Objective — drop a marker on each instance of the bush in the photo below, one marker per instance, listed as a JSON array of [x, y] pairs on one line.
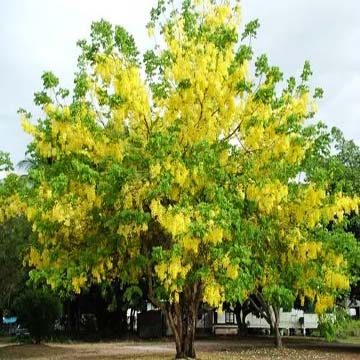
[[328, 327], [338, 325], [37, 310]]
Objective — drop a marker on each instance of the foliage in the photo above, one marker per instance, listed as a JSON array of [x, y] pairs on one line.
[[37, 310], [15, 232], [341, 169], [279, 297], [162, 178], [338, 325], [348, 167], [14, 241], [5, 162]]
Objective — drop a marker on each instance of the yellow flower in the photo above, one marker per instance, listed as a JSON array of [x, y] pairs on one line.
[[78, 283], [215, 235], [155, 170], [213, 293]]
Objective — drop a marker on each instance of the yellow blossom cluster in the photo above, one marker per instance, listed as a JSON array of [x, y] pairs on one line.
[[190, 244], [127, 83], [213, 293], [308, 250], [335, 280], [214, 235], [28, 127], [43, 259], [132, 195], [176, 223], [307, 210], [130, 230], [323, 303], [10, 207], [78, 282], [231, 268], [99, 272], [169, 273], [268, 196], [71, 217], [207, 105]]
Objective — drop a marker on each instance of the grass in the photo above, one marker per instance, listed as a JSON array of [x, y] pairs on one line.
[[349, 332], [354, 340], [6, 339]]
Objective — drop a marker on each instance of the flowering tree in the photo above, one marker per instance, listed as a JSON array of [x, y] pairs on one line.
[[183, 178]]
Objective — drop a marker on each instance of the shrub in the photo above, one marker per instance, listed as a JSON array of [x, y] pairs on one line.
[[338, 325], [37, 310]]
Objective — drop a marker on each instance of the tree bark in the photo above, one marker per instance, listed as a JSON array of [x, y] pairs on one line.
[[237, 312], [271, 314], [240, 314], [132, 321], [278, 338], [262, 309], [184, 334], [181, 318]]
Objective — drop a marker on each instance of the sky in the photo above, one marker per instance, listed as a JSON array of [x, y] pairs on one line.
[[41, 35]]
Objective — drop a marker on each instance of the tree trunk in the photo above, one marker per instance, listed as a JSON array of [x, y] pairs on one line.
[[237, 312], [185, 341], [132, 321], [240, 315], [182, 321], [278, 339], [271, 314], [181, 317], [262, 309]]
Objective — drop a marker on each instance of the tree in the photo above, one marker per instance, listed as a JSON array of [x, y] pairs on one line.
[[345, 163], [342, 169], [315, 262], [14, 241], [5, 162], [15, 231], [316, 269], [177, 179]]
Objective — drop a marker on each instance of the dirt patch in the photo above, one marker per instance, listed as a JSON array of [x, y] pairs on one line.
[[16, 351], [207, 349], [113, 350]]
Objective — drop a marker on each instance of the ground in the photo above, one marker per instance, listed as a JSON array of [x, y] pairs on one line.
[[219, 348]]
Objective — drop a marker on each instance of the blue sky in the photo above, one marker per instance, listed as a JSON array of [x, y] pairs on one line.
[[40, 35]]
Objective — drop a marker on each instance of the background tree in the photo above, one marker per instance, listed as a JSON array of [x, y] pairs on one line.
[[14, 241], [5, 162], [14, 236], [341, 168]]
